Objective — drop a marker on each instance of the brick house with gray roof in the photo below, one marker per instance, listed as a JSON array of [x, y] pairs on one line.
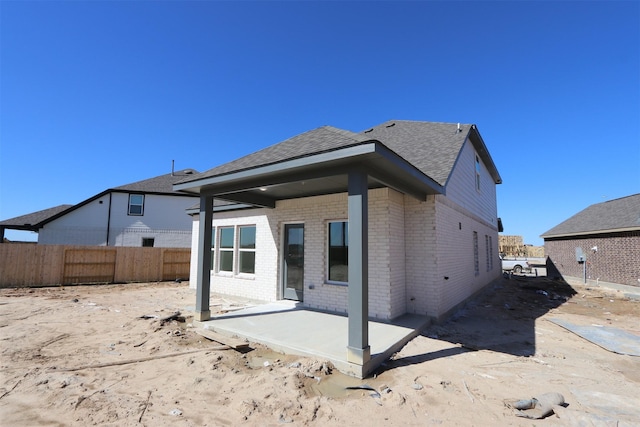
[[398, 219], [607, 234], [143, 213]]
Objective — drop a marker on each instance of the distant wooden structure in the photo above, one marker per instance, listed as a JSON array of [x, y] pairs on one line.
[[514, 246]]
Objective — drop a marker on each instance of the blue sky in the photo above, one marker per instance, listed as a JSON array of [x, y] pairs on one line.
[[97, 94]]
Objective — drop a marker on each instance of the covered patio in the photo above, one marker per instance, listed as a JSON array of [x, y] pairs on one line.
[[288, 328], [323, 161]]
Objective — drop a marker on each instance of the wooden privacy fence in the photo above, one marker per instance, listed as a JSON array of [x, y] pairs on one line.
[[23, 265]]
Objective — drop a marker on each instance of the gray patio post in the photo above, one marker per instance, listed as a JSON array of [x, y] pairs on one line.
[[203, 284], [358, 350]]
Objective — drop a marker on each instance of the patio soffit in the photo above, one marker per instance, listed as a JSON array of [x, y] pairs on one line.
[[318, 174]]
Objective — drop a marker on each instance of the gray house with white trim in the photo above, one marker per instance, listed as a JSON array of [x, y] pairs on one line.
[[400, 218]]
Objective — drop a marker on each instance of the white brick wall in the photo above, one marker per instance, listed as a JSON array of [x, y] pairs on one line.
[[421, 257], [440, 271], [420, 253], [454, 230], [397, 255], [266, 283], [261, 285]]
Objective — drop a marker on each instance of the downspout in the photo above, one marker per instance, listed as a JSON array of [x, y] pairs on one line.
[[109, 219]]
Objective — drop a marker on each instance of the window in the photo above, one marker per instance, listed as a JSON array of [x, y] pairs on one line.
[[147, 242], [213, 248], [247, 250], [234, 255], [227, 238], [491, 252], [476, 262], [486, 248], [477, 173], [338, 252], [136, 204]]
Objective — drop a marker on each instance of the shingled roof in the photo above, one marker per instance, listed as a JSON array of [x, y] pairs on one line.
[[162, 184], [320, 140], [430, 147], [614, 215], [159, 184], [31, 221]]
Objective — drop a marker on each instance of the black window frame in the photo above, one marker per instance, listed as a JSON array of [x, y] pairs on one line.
[[130, 205], [337, 250]]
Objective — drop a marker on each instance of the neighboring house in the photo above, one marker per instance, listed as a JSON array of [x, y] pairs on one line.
[[144, 213], [607, 235], [400, 218], [29, 222]]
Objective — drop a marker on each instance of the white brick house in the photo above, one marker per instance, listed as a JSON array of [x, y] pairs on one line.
[[401, 218]]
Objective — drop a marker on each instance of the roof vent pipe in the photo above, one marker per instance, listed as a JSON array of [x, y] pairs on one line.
[[173, 162], [459, 130]]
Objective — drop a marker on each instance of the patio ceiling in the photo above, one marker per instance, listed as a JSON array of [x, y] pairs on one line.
[[318, 174]]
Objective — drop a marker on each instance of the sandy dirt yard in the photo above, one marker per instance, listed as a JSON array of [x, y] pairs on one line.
[[108, 355]]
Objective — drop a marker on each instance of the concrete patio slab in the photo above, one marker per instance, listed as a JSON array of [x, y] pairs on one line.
[[290, 329]]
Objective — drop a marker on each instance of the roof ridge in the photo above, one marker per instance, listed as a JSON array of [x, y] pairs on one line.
[[156, 184], [390, 123], [619, 198], [356, 136], [426, 121]]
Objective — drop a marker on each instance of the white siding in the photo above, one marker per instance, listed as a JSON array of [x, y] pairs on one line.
[[461, 186], [86, 225], [165, 220]]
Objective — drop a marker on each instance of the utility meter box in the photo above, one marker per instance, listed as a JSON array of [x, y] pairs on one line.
[[580, 256]]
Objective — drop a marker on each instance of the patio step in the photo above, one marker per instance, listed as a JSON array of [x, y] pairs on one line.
[[235, 343]]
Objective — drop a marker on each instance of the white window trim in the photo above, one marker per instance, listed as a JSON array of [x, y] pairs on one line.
[[235, 251], [219, 249], [239, 250], [214, 246]]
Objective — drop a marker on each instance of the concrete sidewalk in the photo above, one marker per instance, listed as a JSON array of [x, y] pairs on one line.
[[287, 328]]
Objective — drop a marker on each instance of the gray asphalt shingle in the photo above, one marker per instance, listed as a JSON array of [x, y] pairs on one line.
[[431, 147], [623, 213], [34, 217], [322, 139], [159, 184]]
